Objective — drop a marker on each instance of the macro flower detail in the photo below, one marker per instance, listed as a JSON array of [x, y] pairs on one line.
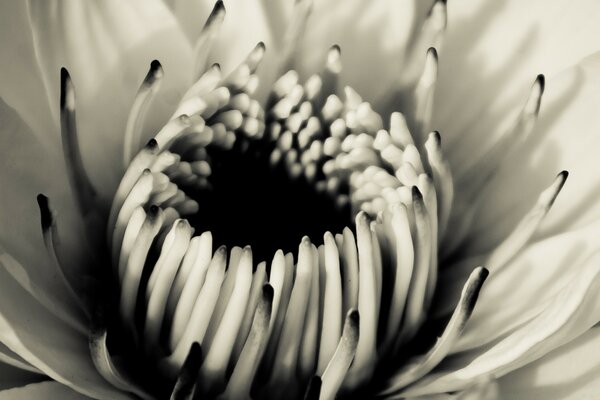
[[278, 228]]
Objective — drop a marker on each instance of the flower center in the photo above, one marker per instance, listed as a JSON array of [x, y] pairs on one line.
[[365, 201], [324, 162]]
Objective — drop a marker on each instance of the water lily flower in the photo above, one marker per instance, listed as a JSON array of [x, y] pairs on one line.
[[309, 199]]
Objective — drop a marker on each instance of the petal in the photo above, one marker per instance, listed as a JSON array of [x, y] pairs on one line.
[[521, 290], [488, 65], [47, 343], [11, 377], [484, 390], [372, 36], [21, 83], [107, 48], [29, 168], [9, 359], [569, 372], [566, 137], [42, 391], [574, 310]]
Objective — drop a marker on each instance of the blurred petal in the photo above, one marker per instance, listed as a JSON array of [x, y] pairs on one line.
[[372, 36], [42, 391], [566, 137], [574, 310], [484, 390], [11, 377], [489, 65], [569, 372], [21, 84], [107, 48], [47, 343]]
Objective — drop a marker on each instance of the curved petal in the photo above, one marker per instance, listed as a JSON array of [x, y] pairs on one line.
[[373, 37], [489, 64], [30, 168], [574, 310], [21, 83], [484, 390], [566, 137], [12, 359], [522, 289], [107, 48], [569, 372], [48, 344], [42, 391], [11, 377]]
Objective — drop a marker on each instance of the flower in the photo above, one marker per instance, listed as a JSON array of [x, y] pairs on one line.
[[119, 300]]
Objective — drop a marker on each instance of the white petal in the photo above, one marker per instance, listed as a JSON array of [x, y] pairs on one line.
[[245, 25], [42, 391], [489, 64], [574, 310], [21, 79], [107, 48], [520, 291], [566, 138], [11, 377], [29, 168], [45, 342], [372, 37], [569, 372]]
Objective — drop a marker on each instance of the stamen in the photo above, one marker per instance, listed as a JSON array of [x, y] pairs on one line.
[[142, 161], [528, 225], [333, 67], [185, 387], [135, 121], [308, 357], [477, 176], [174, 129], [131, 233], [241, 379], [187, 286], [207, 37], [338, 366], [85, 195], [227, 289], [135, 265], [71, 316], [103, 362], [431, 35], [403, 264], [423, 364], [259, 280], [213, 370], [294, 33], [442, 178], [197, 324], [350, 271], [424, 96], [366, 352], [287, 352], [162, 277], [332, 305], [416, 302], [139, 196]]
